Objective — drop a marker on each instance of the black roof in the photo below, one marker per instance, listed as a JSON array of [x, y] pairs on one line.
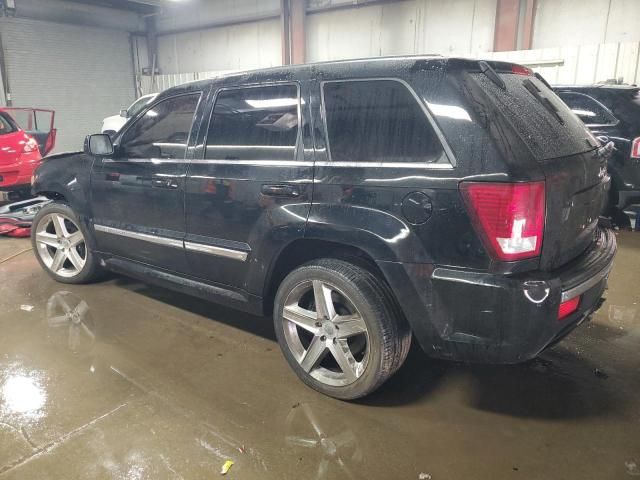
[[361, 67]]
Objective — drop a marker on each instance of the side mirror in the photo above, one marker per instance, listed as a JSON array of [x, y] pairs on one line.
[[124, 113], [99, 145]]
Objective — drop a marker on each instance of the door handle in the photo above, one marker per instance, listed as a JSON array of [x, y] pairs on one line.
[[280, 190], [165, 182]]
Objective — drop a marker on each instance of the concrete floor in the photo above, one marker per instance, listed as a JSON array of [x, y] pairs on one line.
[[122, 380]]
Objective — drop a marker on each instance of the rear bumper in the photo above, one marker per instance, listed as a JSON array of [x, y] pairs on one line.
[[17, 176], [481, 317]]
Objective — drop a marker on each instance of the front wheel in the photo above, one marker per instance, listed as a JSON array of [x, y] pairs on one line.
[[340, 328], [60, 243]]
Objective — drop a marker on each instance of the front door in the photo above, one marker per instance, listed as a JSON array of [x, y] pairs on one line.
[[138, 194], [249, 192]]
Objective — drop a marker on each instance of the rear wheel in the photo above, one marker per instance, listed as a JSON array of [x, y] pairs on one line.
[[60, 243], [339, 328]]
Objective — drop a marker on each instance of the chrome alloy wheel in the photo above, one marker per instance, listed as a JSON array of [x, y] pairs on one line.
[[61, 245], [326, 333]]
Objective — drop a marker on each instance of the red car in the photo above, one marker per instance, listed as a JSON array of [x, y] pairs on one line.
[[26, 135]]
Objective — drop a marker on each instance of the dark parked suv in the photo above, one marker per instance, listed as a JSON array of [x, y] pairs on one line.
[[612, 113], [359, 201]]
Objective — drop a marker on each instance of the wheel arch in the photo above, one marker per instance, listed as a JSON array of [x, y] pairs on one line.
[[66, 177], [304, 250]]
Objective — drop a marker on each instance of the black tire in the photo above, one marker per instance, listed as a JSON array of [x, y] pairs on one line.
[[91, 271], [388, 334]]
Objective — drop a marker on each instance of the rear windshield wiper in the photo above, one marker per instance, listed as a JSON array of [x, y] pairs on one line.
[[546, 103], [491, 74]]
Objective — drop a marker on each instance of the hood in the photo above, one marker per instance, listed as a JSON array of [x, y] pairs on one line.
[[61, 155]]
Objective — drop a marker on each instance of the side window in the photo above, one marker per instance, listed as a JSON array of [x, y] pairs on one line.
[[254, 123], [587, 109], [6, 125], [163, 131], [378, 121]]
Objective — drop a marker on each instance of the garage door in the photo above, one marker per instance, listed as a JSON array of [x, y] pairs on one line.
[[83, 73]]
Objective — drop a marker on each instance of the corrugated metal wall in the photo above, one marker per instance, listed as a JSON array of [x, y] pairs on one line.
[[83, 73], [408, 27], [243, 46], [566, 65], [582, 64], [577, 22]]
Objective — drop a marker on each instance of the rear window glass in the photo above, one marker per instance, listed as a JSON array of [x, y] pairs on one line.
[[590, 111], [546, 135], [6, 125], [627, 108], [378, 121]]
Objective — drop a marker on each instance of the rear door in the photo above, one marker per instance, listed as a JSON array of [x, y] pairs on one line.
[[384, 180], [138, 194], [249, 189], [576, 177]]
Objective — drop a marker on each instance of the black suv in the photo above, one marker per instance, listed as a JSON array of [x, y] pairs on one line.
[[359, 201], [612, 113]]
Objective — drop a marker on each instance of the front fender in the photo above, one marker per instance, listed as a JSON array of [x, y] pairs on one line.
[[66, 175]]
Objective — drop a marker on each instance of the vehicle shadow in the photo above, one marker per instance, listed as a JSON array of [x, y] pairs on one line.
[[256, 325], [557, 385]]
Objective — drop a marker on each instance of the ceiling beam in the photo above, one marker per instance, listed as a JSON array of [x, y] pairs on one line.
[[139, 6]]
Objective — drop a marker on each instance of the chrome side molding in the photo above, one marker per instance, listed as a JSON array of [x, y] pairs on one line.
[[218, 251], [172, 242]]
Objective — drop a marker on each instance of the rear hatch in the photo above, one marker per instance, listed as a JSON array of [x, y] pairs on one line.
[[566, 152]]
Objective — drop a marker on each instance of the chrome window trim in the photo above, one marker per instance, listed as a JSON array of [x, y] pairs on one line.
[[308, 163], [172, 242], [270, 163], [452, 162], [433, 166], [583, 287]]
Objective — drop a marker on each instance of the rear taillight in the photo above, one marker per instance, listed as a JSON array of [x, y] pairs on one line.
[[30, 146], [508, 216], [520, 70], [568, 307], [635, 148]]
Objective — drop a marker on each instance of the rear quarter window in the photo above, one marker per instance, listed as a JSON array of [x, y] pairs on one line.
[[378, 121], [546, 135], [590, 111], [627, 108]]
